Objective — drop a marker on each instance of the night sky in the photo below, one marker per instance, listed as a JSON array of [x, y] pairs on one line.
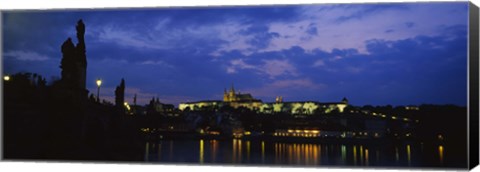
[[377, 54]]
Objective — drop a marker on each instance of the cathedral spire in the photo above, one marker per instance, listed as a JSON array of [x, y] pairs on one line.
[[135, 99], [232, 89]]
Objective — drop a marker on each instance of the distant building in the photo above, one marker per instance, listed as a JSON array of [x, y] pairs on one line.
[[303, 107], [231, 96], [156, 106], [238, 100], [200, 105], [412, 108]]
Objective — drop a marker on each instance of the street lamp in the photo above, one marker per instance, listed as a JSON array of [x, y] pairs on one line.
[[6, 78], [99, 82]]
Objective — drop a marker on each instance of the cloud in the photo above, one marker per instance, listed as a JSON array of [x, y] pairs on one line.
[[353, 69], [286, 88], [127, 38], [318, 63], [275, 68], [238, 64], [271, 68], [335, 58], [296, 83], [322, 27], [25, 55], [156, 62], [349, 26], [231, 34]]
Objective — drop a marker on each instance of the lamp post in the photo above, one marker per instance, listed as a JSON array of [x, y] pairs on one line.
[[99, 82], [6, 78]]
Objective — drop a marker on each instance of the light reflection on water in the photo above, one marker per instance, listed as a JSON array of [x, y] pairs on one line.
[[239, 151], [201, 159], [440, 154]]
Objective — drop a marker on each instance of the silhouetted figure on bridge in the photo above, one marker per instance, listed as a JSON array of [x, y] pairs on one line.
[[120, 94], [74, 61]]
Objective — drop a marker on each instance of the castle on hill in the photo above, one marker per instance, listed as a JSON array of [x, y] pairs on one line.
[[246, 100], [231, 96]]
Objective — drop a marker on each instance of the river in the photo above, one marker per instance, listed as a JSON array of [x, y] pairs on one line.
[[271, 153]]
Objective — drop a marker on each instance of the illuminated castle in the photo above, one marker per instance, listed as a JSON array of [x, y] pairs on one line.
[[231, 96], [238, 100]]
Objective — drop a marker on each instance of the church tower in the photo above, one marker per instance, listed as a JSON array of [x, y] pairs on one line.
[[225, 95], [231, 94]]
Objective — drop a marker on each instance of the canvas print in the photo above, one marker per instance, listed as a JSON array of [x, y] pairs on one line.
[[313, 85]]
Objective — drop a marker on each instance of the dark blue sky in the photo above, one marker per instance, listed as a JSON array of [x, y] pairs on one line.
[[377, 54]]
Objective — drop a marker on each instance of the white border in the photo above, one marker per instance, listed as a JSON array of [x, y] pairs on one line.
[[89, 4]]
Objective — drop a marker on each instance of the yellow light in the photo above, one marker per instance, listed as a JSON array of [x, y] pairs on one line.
[[405, 119], [306, 131], [394, 117], [315, 131], [247, 133], [6, 78], [440, 152], [126, 105], [201, 158], [290, 131], [99, 82]]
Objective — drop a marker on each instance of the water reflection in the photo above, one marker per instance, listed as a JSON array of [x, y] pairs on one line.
[[344, 153], [214, 148], [397, 156], [147, 151], [309, 154], [263, 151], [409, 154], [248, 150], [354, 154], [366, 157], [361, 155], [159, 153], [440, 153], [170, 155], [201, 152]]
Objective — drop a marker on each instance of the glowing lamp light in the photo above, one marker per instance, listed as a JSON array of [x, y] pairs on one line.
[[127, 106], [6, 78], [99, 82]]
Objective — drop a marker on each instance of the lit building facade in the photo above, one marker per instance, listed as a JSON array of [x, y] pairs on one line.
[[200, 105], [238, 100], [303, 107]]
